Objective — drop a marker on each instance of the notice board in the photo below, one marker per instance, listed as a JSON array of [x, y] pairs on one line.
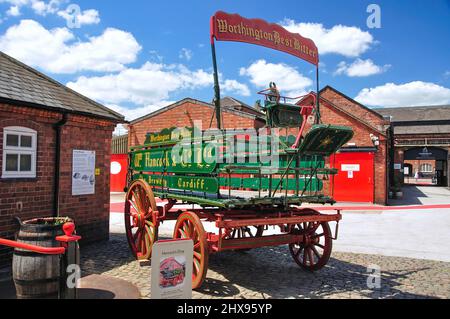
[[83, 173]]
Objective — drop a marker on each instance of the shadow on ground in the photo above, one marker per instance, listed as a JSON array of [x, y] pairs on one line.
[[272, 273]]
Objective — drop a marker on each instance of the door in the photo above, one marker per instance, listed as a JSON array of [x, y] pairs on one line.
[[119, 169], [355, 180]]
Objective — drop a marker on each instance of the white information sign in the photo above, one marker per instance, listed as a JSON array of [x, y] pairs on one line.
[[406, 171], [83, 173], [351, 167], [172, 269]]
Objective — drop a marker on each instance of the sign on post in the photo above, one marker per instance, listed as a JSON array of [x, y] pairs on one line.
[[172, 269], [83, 173]]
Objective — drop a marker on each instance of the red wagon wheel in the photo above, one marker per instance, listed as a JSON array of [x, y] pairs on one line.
[[140, 223], [189, 226], [246, 232], [314, 251]]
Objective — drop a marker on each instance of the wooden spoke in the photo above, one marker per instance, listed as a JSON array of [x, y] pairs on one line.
[[139, 219], [189, 226], [245, 232], [316, 236]]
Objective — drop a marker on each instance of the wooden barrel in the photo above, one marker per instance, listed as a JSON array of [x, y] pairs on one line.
[[37, 276]]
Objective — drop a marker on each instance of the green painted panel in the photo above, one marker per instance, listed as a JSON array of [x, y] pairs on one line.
[[189, 183], [163, 160], [325, 139]]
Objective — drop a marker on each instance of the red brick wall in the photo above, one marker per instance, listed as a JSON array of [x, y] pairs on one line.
[[91, 213], [184, 115], [332, 115]]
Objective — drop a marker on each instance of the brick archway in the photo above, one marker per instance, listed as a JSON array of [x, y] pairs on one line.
[[427, 165]]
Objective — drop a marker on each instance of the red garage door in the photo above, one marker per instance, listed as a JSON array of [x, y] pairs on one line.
[[119, 167], [355, 180]]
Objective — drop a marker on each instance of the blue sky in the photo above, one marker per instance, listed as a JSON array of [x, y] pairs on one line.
[[136, 56]]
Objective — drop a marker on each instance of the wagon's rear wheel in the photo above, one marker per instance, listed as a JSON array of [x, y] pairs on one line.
[[189, 226], [140, 219], [314, 251], [246, 232]]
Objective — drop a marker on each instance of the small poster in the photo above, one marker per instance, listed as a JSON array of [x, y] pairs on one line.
[[351, 168], [172, 269], [83, 173], [397, 167]]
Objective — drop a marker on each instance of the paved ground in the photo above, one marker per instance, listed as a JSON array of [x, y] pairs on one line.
[[271, 273], [371, 238], [403, 231]]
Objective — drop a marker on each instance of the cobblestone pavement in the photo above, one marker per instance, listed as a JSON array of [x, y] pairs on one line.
[[271, 273]]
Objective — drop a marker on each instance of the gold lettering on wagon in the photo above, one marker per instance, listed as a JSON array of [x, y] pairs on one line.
[[193, 183]]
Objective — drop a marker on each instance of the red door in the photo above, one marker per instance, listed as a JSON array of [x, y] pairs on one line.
[[119, 167], [355, 180]]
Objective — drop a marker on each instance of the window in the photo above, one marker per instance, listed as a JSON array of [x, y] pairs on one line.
[[426, 168], [19, 152]]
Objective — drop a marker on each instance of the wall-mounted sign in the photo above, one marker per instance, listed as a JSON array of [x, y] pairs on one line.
[[83, 173], [397, 166], [351, 168], [172, 269]]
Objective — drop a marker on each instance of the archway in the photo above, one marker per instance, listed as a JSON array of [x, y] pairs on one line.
[[427, 165]]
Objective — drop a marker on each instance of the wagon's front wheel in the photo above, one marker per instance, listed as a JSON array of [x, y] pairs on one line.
[[189, 226], [140, 219], [314, 251]]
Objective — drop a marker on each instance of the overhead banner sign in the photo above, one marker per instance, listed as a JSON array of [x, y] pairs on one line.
[[233, 27]]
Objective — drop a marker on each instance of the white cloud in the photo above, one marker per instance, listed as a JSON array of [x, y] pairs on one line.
[[235, 87], [185, 54], [56, 51], [148, 85], [340, 39], [415, 93], [83, 18], [13, 11], [137, 112], [287, 78], [360, 68], [38, 6]]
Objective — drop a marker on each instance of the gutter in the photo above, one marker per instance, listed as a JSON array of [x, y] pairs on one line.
[[58, 127]]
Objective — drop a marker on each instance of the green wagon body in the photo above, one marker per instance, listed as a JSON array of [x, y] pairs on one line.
[[298, 177]]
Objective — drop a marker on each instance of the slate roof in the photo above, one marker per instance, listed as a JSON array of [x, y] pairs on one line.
[[417, 113], [419, 119], [225, 108], [232, 103], [25, 86]]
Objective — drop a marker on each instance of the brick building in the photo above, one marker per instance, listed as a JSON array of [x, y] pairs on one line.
[[184, 113], [422, 143], [41, 123], [367, 182]]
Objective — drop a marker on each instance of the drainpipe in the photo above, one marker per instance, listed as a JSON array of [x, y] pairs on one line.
[[58, 127]]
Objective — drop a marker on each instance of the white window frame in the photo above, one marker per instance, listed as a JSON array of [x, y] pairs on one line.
[[17, 150], [426, 165]]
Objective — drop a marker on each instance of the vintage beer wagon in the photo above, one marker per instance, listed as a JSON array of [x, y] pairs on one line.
[[209, 170]]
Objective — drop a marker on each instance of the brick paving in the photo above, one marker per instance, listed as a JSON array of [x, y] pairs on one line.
[[271, 273]]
